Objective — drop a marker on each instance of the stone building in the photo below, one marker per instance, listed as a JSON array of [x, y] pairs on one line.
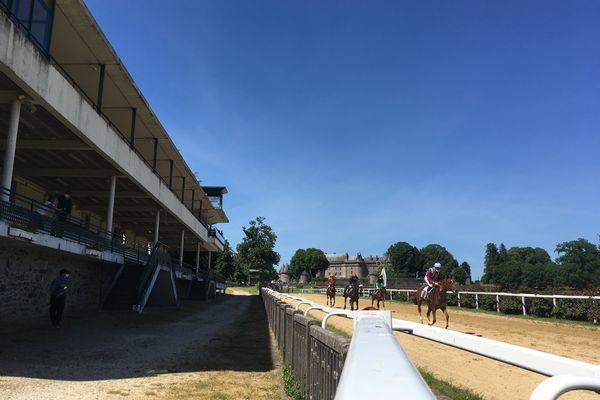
[[285, 274], [342, 265]]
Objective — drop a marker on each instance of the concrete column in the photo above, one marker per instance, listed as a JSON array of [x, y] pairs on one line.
[[11, 147], [209, 259], [111, 205], [156, 227], [181, 247], [198, 259]]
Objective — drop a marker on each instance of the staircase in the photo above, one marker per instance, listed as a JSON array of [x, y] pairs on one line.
[[134, 283], [123, 293]]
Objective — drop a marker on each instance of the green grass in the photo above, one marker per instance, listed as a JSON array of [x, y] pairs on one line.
[[291, 388], [339, 332], [447, 388]]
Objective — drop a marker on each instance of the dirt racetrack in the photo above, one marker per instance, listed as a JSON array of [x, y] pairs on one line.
[[491, 379]]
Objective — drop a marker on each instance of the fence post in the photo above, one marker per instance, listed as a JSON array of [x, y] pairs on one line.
[[554, 304], [458, 299], [476, 301], [497, 303], [523, 302]]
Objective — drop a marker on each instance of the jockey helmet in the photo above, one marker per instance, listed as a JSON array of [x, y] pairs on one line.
[[437, 265]]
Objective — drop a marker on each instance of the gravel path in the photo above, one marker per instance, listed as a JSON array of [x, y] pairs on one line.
[[118, 355]]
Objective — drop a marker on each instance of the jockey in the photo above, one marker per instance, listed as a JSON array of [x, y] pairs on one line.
[[432, 277], [379, 284], [353, 279], [331, 280]]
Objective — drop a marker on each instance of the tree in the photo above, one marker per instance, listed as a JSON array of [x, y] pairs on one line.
[[224, 262], [502, 254], [256, 251], [490, 263], [312, 260], [403, 259], [459, 275], [580, 262], [433, 253], [509, 275]]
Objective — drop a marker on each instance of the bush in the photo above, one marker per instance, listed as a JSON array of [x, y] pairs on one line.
[[511, 305], [539, 307], [487, 302], [594, 311], [572, 309], [452, 299], [467, 300]]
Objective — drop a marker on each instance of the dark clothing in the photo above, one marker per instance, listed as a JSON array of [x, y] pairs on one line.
[[64, 210], [58, 296], [65, 205], [59, 287], [57, 305]]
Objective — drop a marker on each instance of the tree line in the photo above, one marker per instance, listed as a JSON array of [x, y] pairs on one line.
[[577, 266]]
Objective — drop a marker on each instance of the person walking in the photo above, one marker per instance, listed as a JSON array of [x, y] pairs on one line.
[[58, 296]]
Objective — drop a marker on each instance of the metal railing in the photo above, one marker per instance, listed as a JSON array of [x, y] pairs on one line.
[[575, 374], [315, 354], [217, 234], [395, 293], [22, 212]]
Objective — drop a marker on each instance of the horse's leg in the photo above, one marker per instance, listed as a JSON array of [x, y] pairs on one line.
[[373, 301], [433, 322], [428, 313], [383, 301], [447, 316], [419, 309], [345, 298]]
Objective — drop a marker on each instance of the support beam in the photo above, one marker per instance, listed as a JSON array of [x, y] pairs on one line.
[[132, 137], [60, 145], [171, 174], [65, 172], [193, 195], [198, 259], [11, 147], [156, 227], [111, 205], [181, 247], [154, 158], [183, 189], [103, 194], [100, 89]]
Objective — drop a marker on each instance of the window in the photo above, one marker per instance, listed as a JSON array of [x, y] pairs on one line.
[[34, 17]]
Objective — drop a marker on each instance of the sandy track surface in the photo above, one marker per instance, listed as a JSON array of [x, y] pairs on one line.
[[206, 353], [491, 379]]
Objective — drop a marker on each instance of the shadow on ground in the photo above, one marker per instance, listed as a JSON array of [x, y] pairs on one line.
[[230, 333]]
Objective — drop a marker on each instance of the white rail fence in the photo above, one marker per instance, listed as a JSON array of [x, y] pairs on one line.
[[366, 292], [566, 374]]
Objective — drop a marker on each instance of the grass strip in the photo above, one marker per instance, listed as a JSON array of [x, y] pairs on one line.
[[448, 389], [291, 388]]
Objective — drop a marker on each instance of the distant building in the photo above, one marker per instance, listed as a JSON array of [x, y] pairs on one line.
[[341, 265], [285, 274], [304, 277]]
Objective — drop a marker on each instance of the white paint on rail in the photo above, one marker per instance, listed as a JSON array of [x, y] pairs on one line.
[[375, 356], [533, 360], [553, 387]]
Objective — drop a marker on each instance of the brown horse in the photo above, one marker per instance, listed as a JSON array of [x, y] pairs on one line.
[[331, 295], [351, 293], [436, 299], [378, 295]]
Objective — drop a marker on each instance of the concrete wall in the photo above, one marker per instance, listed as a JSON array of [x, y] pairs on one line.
[[26, 272]]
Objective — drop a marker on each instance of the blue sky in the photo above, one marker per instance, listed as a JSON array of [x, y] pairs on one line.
[[353, 125]]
